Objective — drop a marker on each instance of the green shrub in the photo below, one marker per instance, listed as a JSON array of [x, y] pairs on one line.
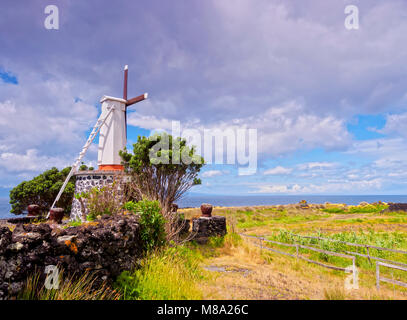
[[151, 221], [333, 210], [216, 242], [75, 223], [371, 208]]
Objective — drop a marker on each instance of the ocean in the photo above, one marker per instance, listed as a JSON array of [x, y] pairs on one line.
[[5, 209], [229, 201]]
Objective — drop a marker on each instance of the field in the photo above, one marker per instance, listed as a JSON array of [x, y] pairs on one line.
[[236, 268]]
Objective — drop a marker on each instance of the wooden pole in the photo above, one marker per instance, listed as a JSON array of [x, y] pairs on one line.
[[136, 99], [368, 254], [126, 74]]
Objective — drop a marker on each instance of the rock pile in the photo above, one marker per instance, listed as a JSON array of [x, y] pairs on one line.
[[107, 246]]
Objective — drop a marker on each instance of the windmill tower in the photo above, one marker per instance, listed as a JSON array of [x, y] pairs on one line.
[[112, 129], [113, 133]]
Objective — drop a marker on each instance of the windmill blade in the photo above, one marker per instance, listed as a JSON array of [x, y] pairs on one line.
[[136, 99], [129, 103]]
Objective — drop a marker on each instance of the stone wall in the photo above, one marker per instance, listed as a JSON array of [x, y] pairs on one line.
[[205, 227], [86, 180], [397, 207], [108, 246]]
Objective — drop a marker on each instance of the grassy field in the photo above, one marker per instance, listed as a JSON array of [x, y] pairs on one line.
[[240, 270], [233, 267]]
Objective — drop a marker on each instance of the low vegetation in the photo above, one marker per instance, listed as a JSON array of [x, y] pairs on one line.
[[169, 274], [368, 208], [151, 220], [70, 288]]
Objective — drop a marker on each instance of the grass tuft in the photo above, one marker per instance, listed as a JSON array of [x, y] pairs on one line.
[[169, 274], [71, 288]]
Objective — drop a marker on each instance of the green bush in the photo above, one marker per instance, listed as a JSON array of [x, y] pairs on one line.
[[333, 210], [216, 242], [371, 208], [42, 190], [151, 221]]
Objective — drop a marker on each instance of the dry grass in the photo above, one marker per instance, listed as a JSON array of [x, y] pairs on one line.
[[251, 274], [70, 288]]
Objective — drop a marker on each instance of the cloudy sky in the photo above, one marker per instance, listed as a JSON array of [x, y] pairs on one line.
[[329, 104]]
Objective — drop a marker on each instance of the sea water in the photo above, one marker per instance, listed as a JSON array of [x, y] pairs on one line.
[[235, 201]]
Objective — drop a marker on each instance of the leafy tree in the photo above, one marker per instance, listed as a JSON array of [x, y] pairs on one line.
[[162, 168], [84, 167], [42, 190]]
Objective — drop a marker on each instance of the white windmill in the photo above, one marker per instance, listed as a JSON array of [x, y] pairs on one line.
[[112, 125]]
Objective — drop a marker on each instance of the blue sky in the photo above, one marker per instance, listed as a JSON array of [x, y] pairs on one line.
[[328, 104]]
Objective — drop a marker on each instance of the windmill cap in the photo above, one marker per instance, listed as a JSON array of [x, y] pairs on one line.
[[104, 98]]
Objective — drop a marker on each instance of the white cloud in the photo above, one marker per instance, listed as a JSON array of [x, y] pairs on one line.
[[334, 187], [148, 122], [395, 124], [277, 189], [212, 173], [317, 165], [29, 161], [286, 68], [279, 170], [280, 129]]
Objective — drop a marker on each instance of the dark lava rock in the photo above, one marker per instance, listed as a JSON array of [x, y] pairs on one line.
[[21, 220], [108, 246], [397, 207], [205, 227]]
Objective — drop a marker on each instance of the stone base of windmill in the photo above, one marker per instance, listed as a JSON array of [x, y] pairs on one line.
[[85, 181]]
